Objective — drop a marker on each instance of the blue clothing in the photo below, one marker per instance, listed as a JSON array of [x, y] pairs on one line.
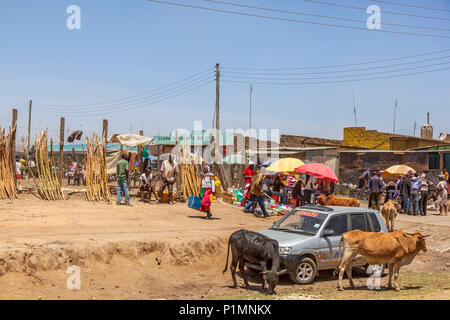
[[375, 184], [260, 201], [123, 186], [416, 184], [414, 203]]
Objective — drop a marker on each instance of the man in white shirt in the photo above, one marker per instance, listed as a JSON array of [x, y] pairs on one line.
[[145, 184], [169, 170]]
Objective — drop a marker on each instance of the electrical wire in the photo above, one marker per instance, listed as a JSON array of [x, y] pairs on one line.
[[341, 76], [340, 81], [130, 97], [410, 5], [340, 65], [136, 101], [298, 21], [384, 11], [131, 104], [336, 71], [321, 16], [130, 108]]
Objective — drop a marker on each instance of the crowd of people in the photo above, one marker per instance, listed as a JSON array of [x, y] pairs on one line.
[[412, 190], [24, 167], [147, 182], [282, 187], [168, 174]]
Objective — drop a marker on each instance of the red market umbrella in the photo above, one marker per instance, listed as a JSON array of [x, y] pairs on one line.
[[318, 170]]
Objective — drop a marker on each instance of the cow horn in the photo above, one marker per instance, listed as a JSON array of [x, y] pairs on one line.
[[409, 234], [263, 272], [427, 235], [279, 273]]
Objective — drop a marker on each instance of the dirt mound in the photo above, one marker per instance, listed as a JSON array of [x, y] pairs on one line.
[[56, 256]]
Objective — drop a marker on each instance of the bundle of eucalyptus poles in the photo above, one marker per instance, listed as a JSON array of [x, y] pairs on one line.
[[96, 177], [7, 182], [46, 180], [189, 174]]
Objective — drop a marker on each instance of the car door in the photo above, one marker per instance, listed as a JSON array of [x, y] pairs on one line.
[[329, 246], [361, 222]]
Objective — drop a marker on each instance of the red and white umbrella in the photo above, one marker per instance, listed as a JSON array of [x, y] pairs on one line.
[[318, 170]]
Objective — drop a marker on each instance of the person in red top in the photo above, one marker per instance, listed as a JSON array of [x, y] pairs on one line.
[[248, 174]]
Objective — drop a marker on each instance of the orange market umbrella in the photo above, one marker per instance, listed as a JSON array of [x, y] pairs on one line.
[[399, 170], [318, 170]]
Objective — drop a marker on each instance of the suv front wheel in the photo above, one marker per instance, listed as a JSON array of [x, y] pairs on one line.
[[305, 271]]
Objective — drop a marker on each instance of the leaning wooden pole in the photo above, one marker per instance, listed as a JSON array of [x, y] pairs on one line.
[[46, 180], [8, 188], [61, 151], [13, 144]]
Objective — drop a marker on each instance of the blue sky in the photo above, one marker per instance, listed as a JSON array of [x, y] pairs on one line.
[[125, 48]]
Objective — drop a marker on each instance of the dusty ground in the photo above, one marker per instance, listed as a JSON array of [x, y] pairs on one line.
[[160, 251]]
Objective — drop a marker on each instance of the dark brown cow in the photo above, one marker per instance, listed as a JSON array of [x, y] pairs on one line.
[[254, 248]]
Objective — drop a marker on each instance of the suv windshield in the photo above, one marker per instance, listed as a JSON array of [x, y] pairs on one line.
[[301, 221]]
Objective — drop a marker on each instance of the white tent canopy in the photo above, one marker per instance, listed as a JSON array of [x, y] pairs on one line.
[[130, 140]]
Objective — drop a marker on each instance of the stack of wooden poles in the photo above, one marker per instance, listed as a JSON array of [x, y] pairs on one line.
[[7, 182], [190, 177], [47, 180], [96, 178]]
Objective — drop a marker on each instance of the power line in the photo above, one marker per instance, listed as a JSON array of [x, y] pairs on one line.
[[410, 5], [131, 108], [337, 77], [137, 101], [298, 21], [336, 71], [321, 16], [340, 65], [130, 97], [384, 11], [341, 81], [107, 109]]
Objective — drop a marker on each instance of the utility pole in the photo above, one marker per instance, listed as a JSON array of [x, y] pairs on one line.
[[217, 95], [250, 117], [395, 113], [29, 128], [415, 126], [354, 109], [13, 146], [61, 150]]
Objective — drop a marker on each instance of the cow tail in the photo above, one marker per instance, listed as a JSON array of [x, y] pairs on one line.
[[228, 254]]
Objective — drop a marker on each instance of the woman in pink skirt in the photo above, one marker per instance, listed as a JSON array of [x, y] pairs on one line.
[[207, 189]]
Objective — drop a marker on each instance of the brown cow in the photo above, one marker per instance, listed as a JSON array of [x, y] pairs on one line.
[[335, 201], [389, 213], [396, 249]]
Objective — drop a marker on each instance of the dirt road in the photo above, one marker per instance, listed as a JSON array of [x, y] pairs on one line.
[[160, 251]]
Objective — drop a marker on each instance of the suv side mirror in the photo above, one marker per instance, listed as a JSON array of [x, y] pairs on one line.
[[328, 233]]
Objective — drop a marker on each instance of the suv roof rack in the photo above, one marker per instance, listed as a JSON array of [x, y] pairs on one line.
[[316, 207]]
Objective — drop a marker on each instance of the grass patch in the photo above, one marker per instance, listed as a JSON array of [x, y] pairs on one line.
[[420, 286]]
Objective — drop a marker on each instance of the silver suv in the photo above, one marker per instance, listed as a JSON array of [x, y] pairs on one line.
[[309, 237]]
